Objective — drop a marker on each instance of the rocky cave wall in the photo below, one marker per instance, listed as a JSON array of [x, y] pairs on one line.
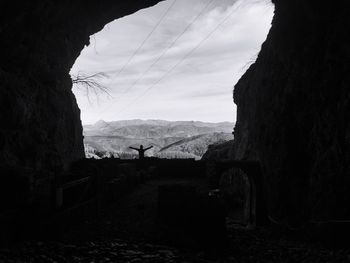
[[40, 124], [294, 109], [293, 103]]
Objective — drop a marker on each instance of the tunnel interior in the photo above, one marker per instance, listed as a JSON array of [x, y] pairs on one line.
[[292, 104]]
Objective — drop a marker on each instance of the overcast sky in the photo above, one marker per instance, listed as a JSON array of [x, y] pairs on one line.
[[194, 76]]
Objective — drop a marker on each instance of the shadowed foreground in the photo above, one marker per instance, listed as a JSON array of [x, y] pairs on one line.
[[129, 230]]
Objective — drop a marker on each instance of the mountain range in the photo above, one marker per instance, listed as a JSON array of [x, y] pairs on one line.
[[170, 139]]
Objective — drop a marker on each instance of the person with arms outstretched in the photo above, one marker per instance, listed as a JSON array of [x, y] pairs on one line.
[[141, 151]]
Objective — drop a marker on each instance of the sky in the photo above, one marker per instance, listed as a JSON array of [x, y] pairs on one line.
[[177, 60]]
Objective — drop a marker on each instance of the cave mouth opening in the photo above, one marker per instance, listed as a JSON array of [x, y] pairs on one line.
[[174, 61], [191, 81]]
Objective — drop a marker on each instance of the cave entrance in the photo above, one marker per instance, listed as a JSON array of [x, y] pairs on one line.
[[176, 61]]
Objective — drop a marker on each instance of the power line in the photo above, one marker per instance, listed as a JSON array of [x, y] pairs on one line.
[[146, 39], [170, 46], [183, 59], [164, 52]]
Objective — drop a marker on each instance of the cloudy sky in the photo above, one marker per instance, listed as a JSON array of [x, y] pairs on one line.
[[185, 70]]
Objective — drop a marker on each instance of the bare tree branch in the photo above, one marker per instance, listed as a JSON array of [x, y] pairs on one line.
[[91, 83]]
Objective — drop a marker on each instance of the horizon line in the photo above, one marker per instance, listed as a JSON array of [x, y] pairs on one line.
[[139, 119]]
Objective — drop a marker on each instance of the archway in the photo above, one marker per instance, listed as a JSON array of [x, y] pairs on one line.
[[241, 183]]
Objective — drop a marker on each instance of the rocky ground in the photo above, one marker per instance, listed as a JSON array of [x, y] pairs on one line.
[[109, 251], [246, 246], [260, 245]]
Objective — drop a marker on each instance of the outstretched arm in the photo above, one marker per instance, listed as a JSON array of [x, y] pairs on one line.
[[148, 148], [133, 148]]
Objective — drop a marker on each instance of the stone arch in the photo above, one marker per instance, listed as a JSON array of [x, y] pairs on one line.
[[239, 195], [255, 212]]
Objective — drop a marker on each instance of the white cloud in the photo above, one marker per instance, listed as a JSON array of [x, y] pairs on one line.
[[200, 88]]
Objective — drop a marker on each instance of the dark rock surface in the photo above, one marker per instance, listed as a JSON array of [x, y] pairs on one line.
[[219, 151], [40, 41], [294, 113], [246, 246], [115, 250]]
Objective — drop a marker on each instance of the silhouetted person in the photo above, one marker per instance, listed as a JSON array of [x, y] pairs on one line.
[[141, 151]]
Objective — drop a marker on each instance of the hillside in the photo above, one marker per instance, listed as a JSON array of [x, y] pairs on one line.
[[187, 139], [197, 145]]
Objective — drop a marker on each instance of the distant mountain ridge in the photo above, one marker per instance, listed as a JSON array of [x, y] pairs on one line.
[[155, 128], [189, 137], [123, 123]]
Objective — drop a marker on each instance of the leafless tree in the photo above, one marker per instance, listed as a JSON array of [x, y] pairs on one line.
[[91, 84]]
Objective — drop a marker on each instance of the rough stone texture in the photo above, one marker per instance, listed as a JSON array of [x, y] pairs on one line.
[[245, 246], [40, 123], [219, 152], [294, 110]]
